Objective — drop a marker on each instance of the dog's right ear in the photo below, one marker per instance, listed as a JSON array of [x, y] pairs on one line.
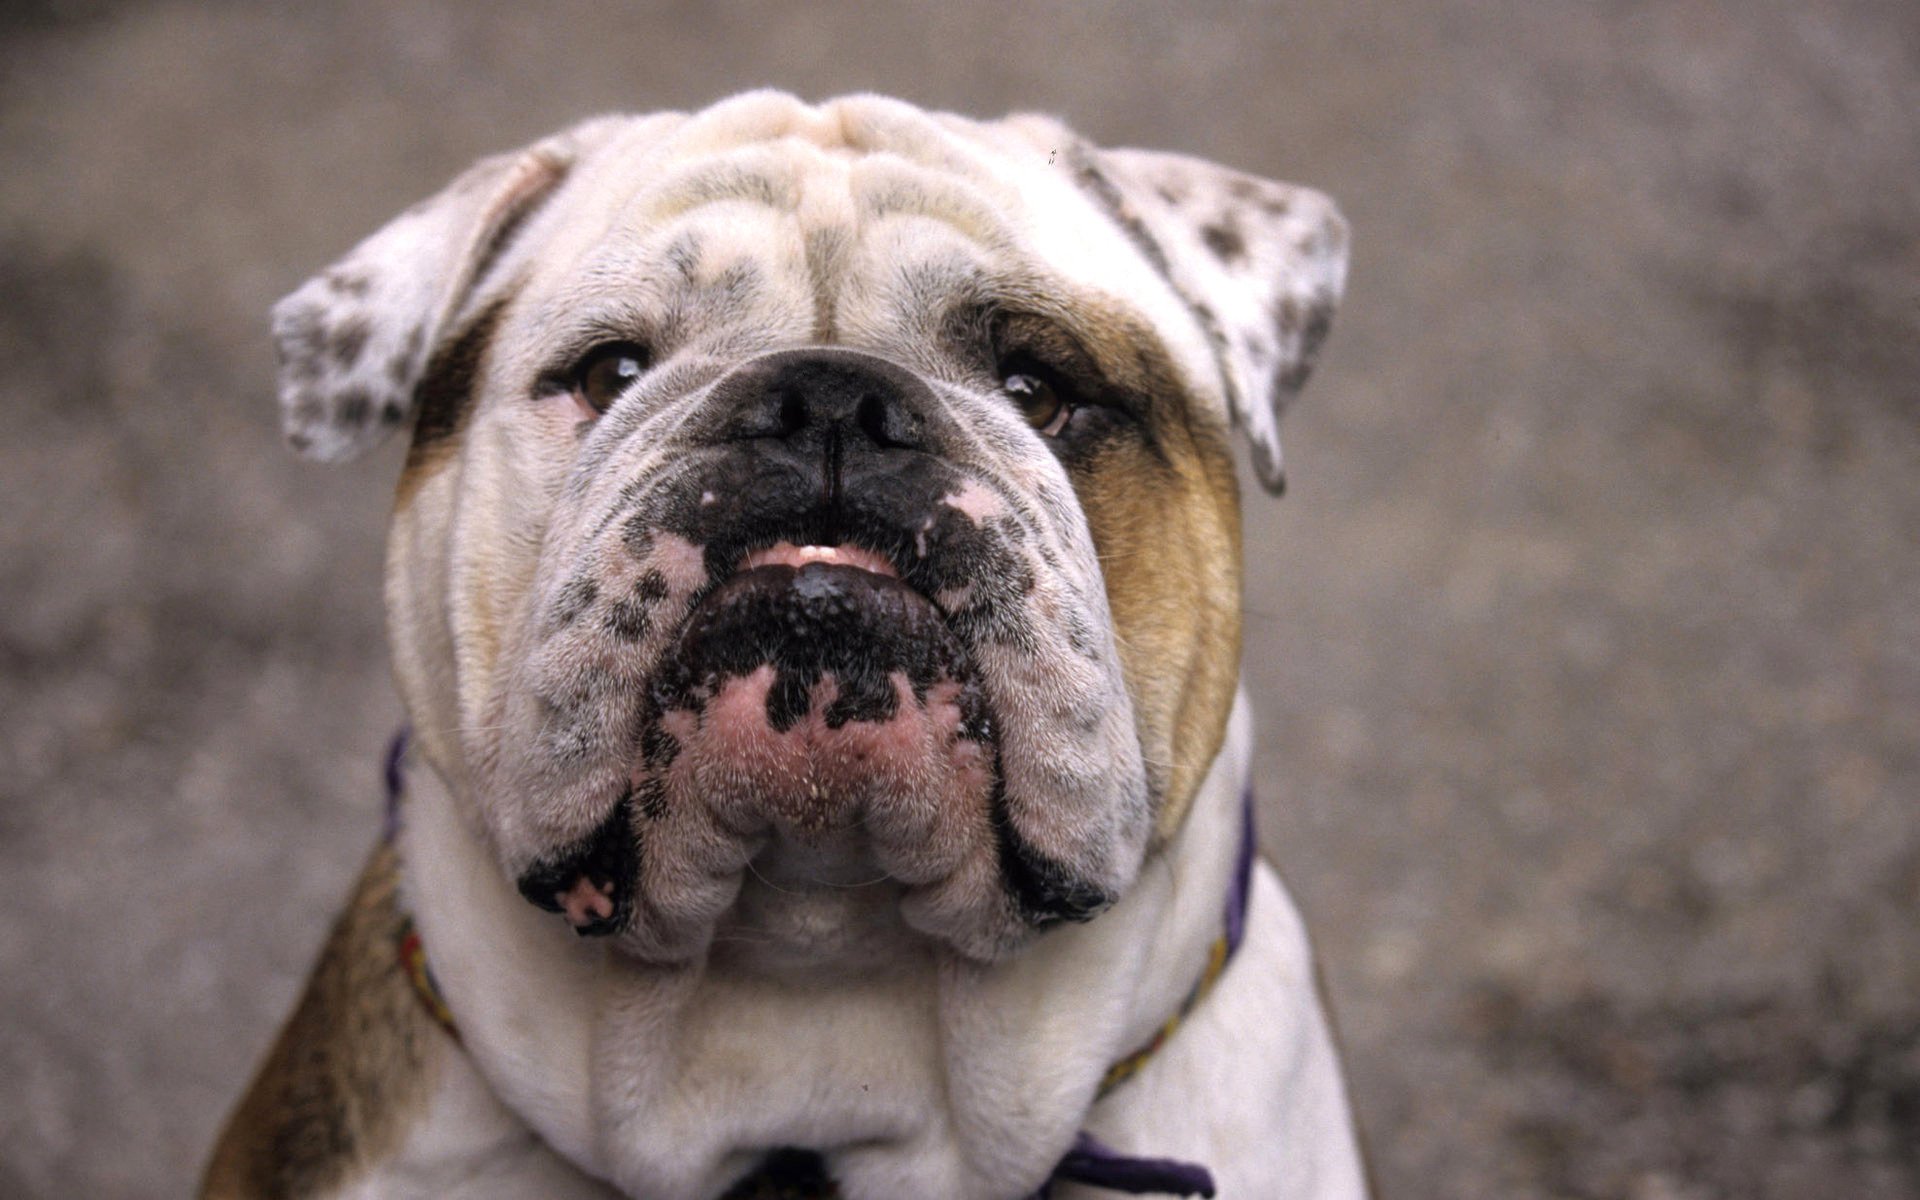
[[355, 339]]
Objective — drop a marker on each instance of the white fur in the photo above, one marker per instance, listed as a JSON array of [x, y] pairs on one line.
[[914, 1067], [954, 1080]]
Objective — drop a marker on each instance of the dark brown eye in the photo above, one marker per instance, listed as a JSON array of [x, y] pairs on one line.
[[1040, 402], [607, 372]]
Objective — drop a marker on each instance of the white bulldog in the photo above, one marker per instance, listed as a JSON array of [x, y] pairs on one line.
[[815, 587]]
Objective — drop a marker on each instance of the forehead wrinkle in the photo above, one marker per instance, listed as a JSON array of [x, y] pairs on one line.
[[887, 187], [628, 282], [757, 179]]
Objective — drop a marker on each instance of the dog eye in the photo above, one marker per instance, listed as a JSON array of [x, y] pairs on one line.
[[1043, 405], [607, 372]]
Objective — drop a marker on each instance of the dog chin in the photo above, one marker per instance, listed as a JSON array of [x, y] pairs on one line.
[[816, 726]]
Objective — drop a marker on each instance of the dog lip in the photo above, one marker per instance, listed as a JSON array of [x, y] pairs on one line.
[[788, 554]]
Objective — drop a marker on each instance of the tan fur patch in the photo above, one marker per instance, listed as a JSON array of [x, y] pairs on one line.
[[1168, 533], [351, 1069]]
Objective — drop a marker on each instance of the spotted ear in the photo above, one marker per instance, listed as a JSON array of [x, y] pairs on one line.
[[1262, 265], [355, 339]]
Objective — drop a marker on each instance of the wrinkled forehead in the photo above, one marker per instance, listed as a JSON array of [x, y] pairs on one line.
[[860, 204]]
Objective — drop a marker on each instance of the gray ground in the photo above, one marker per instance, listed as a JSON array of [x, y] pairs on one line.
[[1590, 702]]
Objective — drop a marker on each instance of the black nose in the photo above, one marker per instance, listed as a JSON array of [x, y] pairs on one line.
[[835, 402]]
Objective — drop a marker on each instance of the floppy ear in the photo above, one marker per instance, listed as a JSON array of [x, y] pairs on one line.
[[1261, 264], [354, 340]]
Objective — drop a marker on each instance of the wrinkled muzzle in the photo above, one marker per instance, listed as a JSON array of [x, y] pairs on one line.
[[810, 619]]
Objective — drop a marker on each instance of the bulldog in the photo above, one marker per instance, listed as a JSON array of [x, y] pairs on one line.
[[814, 586]]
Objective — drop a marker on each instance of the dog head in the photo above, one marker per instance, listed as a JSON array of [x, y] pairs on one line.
[[845, 481]]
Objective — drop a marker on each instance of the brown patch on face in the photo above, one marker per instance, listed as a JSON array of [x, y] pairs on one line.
[[1165, 520], [354, 1066], [444, 397]]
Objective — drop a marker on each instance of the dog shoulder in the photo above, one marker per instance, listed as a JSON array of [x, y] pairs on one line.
[[352, 1071]]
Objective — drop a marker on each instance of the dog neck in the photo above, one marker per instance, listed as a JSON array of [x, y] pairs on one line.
[[818, 1020]]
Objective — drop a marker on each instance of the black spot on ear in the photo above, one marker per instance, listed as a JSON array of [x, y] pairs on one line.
[[342, 282], [529, 204], [1313, 321], [1319, 324], [347, 340], [1287, 316], [445, 393], [1225, 240], [353, 407], [304, 369], [401, 366], [300, 344], [1217, 340], [391, 413], [1095, 183], [1292, 376]]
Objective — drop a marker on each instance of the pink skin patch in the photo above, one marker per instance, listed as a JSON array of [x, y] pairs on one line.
[[584, 903], [680, 562], [571, 407], [905, 776], [977, 501]]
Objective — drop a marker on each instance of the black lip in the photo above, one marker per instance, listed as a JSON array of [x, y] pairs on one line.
[[808, 621], [607, 856], [734, 498]]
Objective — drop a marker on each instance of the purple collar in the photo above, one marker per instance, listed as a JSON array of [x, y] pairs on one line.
[[1090, 1161]]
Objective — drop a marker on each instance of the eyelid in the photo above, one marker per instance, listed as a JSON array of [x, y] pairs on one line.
[[557, 375], [1043, 340]]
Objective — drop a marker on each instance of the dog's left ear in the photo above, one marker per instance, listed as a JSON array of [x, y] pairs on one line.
[[355, 339], [1262, 264]]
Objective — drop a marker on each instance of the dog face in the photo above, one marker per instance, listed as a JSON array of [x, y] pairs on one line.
[[845, 486]]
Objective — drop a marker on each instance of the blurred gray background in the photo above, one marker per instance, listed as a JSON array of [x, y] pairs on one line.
[[1586, 644]]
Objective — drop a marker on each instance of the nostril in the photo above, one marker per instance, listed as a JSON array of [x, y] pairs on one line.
[[793, 412], [875, 418]]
